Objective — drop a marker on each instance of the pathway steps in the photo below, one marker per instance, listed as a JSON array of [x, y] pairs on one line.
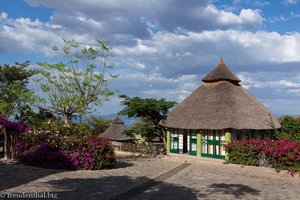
[[145, 186]]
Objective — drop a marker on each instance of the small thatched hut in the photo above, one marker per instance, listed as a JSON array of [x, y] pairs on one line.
[[115, 133], [218, 111]]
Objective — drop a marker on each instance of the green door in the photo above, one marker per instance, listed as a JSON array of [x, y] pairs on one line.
[[174, 143], [193, 144], [212, 144]]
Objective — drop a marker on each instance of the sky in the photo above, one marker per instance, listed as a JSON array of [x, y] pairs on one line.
[[163, 49]]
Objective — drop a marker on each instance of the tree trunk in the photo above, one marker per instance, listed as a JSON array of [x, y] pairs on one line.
[[10, 140], [66, 118], [164, 137], [6, 149]]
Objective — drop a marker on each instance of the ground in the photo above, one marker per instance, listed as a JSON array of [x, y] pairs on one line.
[[156, 178]]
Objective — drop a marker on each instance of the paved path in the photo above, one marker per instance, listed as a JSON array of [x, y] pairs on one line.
[[151, 183], [203, 180]]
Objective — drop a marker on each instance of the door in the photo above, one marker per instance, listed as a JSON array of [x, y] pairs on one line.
[[185, 143], [174, 143], [213, 144], [193, 143]]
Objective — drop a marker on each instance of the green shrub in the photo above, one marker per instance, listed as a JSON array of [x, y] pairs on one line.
[[290, 129], [70, 129], [98, 124]]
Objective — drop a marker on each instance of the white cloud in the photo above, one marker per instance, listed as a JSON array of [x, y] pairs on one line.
[[26, 35], [142, 18], [261, 3], [247, 17], [253, 80], [156, 85], [159, 46], [174, 54], [290, 2]]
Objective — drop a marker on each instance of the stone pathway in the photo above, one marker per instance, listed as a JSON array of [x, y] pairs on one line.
[[152, 179], [143, 187]]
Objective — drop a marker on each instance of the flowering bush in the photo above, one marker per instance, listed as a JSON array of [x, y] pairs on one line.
[[244, 152], [9, 126], [284, 154], [58, 149], [281, 154], [96, 153], [43, 155]]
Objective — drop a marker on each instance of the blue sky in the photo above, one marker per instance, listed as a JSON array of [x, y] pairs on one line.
[[164, 48]]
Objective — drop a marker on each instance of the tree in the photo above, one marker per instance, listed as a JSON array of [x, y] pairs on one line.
[[41, 116], [151, 111], [16, 99], [290, 128], [78, 82], [98, 124], [142, 129]]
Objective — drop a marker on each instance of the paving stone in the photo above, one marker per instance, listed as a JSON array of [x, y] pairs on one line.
[[200, 180]]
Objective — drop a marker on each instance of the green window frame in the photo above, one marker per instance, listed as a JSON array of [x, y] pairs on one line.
[[174, 142], [193, 142], [213, 142]]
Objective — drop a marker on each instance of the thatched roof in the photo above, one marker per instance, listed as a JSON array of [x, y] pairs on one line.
[[220, 104], [221, 73], [115, 131]]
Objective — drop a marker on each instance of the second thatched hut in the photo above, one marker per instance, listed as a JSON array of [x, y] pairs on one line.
[[115, 133]]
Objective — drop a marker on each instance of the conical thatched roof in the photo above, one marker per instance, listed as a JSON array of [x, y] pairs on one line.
[[220, 103], [115, 131], [221, 73]]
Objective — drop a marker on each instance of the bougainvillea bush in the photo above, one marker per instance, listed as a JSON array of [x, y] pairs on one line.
[[10, 126], [244, 152], [281, 154], [59, 147]]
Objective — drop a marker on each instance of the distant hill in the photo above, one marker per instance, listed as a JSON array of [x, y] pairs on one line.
[[128, 121]]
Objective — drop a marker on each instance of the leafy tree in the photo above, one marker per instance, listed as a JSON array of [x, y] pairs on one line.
[[16, 99], [78, 82], [41, 116], [145, 130], [98, 124], [151, 111], [290, 128]]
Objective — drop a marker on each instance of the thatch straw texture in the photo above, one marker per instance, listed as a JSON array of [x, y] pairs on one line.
[[115, 131], [220, 105], [220, 72]]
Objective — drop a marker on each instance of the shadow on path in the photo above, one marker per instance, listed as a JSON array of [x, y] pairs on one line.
[[14, 174], [113, 187], [122, 164], [237, 190]]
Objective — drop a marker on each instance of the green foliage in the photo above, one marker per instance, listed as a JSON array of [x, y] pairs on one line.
[[57, 127], [150, 111], [79, 81], [16, 99], [290, 129], [144, 130], [98, 124], [42, 116]]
